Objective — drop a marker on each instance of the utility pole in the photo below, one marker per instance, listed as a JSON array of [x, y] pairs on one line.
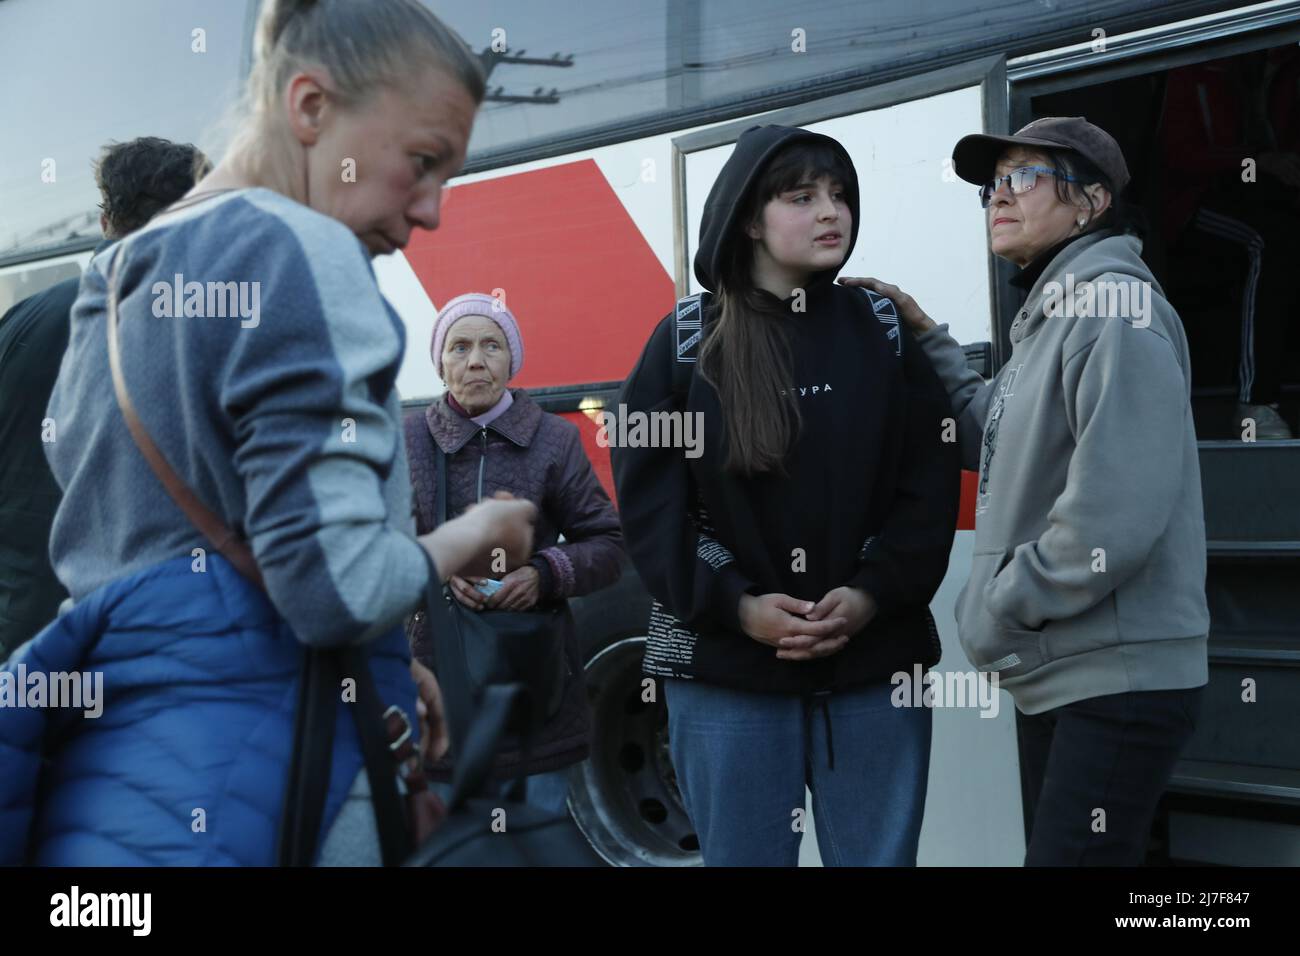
[[491, 59]]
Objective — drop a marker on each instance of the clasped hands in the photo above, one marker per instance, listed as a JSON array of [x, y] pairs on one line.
[[803, 630]]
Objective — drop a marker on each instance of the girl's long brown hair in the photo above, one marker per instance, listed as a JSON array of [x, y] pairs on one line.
[[746, 353]]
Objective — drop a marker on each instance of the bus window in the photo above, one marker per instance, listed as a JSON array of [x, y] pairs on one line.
[[584, 69], [17, 284], [60, 109]]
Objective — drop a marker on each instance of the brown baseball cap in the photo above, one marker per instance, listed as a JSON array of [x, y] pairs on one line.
[[975, 156]]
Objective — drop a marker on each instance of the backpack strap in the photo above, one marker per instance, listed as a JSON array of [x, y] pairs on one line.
[[688, 331], [887, 315]]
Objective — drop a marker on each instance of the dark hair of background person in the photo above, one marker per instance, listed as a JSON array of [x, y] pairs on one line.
[[140, 178]]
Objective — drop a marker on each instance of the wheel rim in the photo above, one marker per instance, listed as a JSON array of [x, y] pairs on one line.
[[624, 797]]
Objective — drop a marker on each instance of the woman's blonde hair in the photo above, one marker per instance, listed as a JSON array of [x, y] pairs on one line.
[[364, 45]]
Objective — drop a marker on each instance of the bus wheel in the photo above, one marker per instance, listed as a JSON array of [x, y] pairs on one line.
[[624, 797]]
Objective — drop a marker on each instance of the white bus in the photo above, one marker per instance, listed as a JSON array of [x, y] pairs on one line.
[[581, 200]]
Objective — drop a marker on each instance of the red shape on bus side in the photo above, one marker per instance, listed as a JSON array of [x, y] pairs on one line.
[[578, 275], [966, 512]]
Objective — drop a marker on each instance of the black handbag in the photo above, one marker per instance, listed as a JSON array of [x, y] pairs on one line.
[[506, 647], [480, 829]]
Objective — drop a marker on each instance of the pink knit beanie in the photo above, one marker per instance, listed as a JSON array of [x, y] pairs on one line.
[[478, 303]]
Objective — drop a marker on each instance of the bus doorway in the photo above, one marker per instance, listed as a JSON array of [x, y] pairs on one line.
[[1211, 133], [1214, 148]]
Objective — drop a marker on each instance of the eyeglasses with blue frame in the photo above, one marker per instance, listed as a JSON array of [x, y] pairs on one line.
[[1020, 180]]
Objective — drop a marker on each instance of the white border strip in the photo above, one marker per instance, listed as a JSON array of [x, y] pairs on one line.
[[1164, 37]]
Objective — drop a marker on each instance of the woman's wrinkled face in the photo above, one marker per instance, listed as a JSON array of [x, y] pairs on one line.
[[379, 167], [801, 231], [1023, 225], [475, 362]]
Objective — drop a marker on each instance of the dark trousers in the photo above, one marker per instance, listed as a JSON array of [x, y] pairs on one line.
[[1092, 772]]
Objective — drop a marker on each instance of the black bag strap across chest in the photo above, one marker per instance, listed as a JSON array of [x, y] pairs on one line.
[[688, 334]]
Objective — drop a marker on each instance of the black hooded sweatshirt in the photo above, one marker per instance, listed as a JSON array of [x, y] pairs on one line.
[[869, 498]]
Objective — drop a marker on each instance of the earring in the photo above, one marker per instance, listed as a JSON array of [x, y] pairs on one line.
[[1082, 222]]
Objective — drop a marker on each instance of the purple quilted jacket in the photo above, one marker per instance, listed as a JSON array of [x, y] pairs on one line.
[[539, 456]]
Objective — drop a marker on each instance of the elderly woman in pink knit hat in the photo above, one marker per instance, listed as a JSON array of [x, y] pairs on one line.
[[494, 438]]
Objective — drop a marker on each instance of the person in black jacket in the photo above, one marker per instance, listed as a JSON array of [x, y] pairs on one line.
[[136, 180], [793, 554]]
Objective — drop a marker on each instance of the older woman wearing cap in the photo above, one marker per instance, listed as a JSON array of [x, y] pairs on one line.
[[498, 439], [1087, 589]]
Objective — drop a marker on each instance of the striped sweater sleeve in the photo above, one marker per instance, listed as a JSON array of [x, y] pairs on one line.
[[310, 394]]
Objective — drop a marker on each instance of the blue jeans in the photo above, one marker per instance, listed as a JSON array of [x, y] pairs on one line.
[[743, 760]]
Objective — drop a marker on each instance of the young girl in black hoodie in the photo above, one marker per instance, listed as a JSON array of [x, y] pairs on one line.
[[793, 560]]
